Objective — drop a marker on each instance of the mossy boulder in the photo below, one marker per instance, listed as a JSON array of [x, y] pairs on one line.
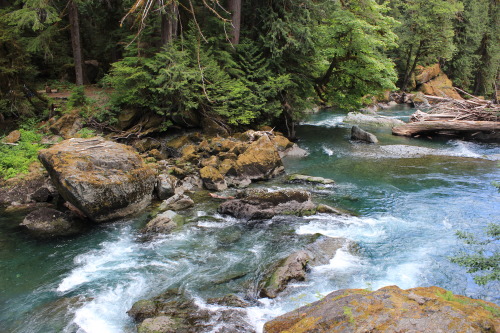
[[391, 309], [259, 161], [212, 179], [104, 179], [68, 125]]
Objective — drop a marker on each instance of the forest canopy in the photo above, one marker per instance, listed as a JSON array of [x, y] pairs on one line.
[[242, 63]]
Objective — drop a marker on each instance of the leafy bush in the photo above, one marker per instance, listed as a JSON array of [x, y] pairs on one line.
[[483, 256], [77, 97], [16, 159]]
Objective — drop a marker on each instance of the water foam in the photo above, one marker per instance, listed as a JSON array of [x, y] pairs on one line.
[[331, 122]]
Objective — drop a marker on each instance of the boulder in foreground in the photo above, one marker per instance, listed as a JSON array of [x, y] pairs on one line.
[[391, 310], [104, 179]]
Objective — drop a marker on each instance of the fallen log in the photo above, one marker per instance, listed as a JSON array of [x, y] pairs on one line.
[[462, 127]]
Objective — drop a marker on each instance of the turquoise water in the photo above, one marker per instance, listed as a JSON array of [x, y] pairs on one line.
[[408, 197]]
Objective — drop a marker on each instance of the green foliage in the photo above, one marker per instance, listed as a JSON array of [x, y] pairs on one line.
[[425, 34], [209, 80], [351, 57], [15, 160], [77, 97], [86, 133], [483, 256]]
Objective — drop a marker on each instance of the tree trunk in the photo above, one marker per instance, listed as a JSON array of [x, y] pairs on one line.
[[169, 23], [412, 69], [235, 9], [75, 41], [459, 127]]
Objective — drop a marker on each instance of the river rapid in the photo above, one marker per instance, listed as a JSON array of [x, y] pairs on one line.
[[408, 197]]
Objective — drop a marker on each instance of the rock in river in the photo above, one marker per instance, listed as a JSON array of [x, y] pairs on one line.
[[296, 265], [261, 204], [391, 310], [104, 179], [48, 223], [361, 135]]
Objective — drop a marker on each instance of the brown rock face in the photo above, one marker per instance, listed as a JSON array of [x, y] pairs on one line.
[[425, 74], [391, 310], [104, 179], [440, 86]]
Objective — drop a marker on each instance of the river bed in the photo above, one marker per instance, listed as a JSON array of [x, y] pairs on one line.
[[408, 197]]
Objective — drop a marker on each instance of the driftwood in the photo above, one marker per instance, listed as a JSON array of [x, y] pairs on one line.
[[473, 118], [464, 127]]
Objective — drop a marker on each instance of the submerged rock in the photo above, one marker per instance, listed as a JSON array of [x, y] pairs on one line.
[[362, 135], [104, 179], [296, 265], [50, 223], [261, 204], [391, 310]]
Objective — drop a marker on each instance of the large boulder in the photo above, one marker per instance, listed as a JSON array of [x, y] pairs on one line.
[[295, 266], [49, 223], [103, 179], [261, 204], [178, 201], [391, 310]]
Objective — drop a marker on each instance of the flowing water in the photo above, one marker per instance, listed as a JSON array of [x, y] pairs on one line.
[[408, 197]]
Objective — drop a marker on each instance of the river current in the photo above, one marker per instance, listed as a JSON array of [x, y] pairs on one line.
[[407, 197]]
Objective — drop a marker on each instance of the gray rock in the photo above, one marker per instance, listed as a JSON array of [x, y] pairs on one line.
[[294, 151], [161, 224], [49, 223], [177, 202], [105, 180], [360, 135], [296, 265], [166, 185]]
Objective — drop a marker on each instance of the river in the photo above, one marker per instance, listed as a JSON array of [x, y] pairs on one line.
[[408, 197]]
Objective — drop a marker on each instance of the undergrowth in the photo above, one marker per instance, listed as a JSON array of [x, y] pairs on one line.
[[16, 159]]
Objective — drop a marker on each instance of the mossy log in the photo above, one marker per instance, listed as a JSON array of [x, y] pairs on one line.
[[462, 127]]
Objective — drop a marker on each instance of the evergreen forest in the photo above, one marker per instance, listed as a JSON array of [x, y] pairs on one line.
[[240, 63]]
